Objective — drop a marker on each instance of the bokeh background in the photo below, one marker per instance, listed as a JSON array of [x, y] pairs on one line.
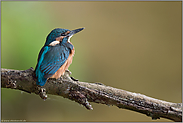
[[135, 46]]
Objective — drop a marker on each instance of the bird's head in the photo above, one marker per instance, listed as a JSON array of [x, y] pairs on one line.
[[60, 35]]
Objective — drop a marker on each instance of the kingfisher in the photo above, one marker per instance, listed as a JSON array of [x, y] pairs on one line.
[[56, 55]]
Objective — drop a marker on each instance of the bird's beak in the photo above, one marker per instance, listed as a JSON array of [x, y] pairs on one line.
[[75, 31]]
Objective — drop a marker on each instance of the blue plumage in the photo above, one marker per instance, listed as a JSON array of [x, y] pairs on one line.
[[54, 34], [53, 56]]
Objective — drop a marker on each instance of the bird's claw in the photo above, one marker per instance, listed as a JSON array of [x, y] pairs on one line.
[[67, 72], [67, 75], [74, 79]]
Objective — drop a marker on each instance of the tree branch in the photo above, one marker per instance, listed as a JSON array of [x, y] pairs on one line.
[[83, 93]]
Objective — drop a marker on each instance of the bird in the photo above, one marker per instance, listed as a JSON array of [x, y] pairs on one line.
[[56, 55]]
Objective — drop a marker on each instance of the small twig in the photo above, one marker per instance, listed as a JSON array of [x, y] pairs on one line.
[[83, 93]]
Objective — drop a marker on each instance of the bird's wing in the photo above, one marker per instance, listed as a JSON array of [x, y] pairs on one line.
[[54, 59]]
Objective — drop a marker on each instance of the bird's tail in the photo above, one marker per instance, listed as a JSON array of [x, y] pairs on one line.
[[41, 81], [40, 78]]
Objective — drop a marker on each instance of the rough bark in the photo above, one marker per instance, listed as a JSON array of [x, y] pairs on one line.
[[83, 93]]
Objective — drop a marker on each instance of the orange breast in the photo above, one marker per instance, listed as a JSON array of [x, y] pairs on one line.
[[64, 67]]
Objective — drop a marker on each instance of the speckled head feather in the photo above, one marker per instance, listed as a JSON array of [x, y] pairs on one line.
[[54, 34]]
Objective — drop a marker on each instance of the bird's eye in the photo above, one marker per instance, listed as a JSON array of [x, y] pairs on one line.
[[63, 34]]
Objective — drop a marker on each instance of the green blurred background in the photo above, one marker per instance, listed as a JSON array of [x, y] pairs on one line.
[[135, 46]]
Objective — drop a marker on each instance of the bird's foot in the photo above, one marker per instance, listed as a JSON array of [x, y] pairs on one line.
[[67, 75], [74, 79], [42, 92], [67, 72]]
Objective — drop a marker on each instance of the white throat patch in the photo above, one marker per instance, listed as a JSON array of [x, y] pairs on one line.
[[54, 43], [69, 38]]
